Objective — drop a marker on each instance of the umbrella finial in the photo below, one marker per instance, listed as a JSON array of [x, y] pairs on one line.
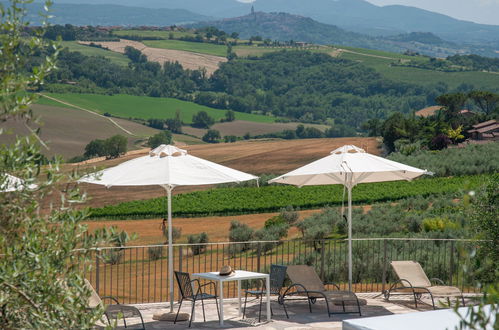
[[351, 149], [167, 150]]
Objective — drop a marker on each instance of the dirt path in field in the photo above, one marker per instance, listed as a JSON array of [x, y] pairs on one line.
[[341, 50], [188, 60], [89, 111]]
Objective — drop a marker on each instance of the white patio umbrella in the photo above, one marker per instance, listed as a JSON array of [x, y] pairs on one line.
[[12, 183], [168, 167], [349, 166]]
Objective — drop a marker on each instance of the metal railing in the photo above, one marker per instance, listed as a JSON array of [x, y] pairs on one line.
[[139, 274]]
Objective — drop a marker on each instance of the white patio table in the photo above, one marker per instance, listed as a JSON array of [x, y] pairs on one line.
[[239, 276]]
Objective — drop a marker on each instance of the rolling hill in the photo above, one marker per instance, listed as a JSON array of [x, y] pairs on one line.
[[285, 27], [112, 14], [354, 15], [68, 130], [143, 107]]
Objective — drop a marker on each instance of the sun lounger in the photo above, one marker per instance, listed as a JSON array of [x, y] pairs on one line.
[[412, 280], [113, 312], [306, 284]]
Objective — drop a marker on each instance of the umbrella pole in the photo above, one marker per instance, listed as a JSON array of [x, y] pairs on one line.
[[349, 238], [170, 245]]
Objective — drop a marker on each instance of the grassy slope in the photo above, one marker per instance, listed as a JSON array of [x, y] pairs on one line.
[[143, 107], [420, 76], [94, 51], [371, 58]]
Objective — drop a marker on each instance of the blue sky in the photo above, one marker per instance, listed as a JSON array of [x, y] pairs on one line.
[[479, 11]]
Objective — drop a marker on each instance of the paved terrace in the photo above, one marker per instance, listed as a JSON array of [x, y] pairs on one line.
[[299, 315]]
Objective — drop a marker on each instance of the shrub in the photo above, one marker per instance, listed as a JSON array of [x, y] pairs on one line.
[[438, 224], [230, 115], [230, 138], [112, 256], [156, 123], [155, 252], [198, 239], [163, 137], [202, 120], [290, 215], [176, 232], [212, 136], [275, 221], [240, 232]]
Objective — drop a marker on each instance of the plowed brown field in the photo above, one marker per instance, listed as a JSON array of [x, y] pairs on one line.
[[188, 60], [256, 157]]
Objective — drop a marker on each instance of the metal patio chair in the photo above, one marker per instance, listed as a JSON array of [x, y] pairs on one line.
[[306, 284], [277, 277], [187, 289], [412, 280]]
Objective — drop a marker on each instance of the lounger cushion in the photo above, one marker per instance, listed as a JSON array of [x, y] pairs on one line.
[[444, 291]]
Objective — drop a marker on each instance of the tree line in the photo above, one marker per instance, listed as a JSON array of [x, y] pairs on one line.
[[409, 133], [300, 85]]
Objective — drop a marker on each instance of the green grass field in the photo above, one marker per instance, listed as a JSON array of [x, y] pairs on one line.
[[94, 51], [195, 47], [481, 80], [143, 107]]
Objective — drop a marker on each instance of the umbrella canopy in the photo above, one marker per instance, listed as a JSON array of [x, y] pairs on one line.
[[12, 183], [168, 167], [349, 166]]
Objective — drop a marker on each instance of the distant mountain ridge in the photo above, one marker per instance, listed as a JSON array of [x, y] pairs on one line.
[[286, 27], [353, 15], [111, 14]]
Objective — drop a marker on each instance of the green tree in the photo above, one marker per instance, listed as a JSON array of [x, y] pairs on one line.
[[163, 137], [174, 125], [95, 148], [230, 115], [452, 103], [202, 120], [240, 232], [488, 102], [212, 136], [199, 240], [41, 282], [116, 146], [394, 128], [135, 55], [156, 123], [486, 227]]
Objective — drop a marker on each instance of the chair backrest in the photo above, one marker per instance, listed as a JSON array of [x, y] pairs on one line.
[[184, 284], [94, 299], [306, 276], [412, 272], [277, 277]]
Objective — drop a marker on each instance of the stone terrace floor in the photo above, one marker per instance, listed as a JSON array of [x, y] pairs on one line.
[[299, 315]]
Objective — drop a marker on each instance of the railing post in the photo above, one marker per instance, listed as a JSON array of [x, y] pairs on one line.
[[258, 256], [97, 270], [323, 248], [383, 278], [180, 255], [451, 261]]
